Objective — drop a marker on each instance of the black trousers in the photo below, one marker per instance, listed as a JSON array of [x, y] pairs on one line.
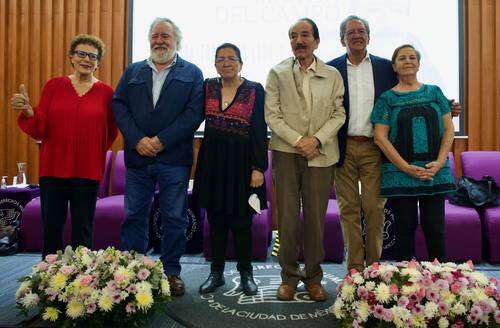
[[220, 226], [55, 193], [432, 222]]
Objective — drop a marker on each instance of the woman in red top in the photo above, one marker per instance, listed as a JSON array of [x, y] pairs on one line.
[[75, 123]]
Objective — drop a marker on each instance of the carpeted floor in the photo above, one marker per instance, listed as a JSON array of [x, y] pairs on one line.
[[227, 307]]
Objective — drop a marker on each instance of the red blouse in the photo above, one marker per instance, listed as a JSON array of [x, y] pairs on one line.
[[75, 131]]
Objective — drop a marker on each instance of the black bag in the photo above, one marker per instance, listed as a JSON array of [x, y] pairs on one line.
[[476, 193]]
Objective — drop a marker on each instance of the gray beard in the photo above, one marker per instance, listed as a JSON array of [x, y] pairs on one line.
[[162, 59]]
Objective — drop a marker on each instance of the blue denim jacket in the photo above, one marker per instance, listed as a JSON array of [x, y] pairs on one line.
[[174, 119]]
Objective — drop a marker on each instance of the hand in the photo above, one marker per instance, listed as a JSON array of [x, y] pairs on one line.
[[157, 144], [145, 147], [21, 102], [455, 108], [306, 146], [314, 154], [432, 169], [257, 179], [416, 172]]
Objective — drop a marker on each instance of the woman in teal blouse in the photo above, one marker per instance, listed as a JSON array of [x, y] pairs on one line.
[[413, 128]]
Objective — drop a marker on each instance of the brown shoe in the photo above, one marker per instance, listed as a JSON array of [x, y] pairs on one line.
[[316, 292], [285, 292], [176, 285]]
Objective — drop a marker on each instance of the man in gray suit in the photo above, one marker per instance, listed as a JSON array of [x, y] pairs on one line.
[[304, 111]]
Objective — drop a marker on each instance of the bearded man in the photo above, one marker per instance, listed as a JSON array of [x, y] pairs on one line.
[[158, 106]]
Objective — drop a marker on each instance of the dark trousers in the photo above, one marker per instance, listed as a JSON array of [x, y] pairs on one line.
[[242, 237], [55, 193], [139, 188], [432, 222]]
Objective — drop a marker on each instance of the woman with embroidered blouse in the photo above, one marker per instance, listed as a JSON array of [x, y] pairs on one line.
[[231, 164], [413, 128], [75, 123]]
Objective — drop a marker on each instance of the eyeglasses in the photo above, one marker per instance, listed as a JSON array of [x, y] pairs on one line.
[[83, 54], [231, 59]]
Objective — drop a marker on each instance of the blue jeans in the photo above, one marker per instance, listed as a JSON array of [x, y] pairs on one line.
[[139, 188]]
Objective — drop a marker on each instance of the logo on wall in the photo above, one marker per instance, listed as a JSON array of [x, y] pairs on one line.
[[10, 213], [193, 225], [388, 232], [231, 301]]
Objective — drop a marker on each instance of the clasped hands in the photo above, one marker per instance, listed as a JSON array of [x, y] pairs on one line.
[[308, 147], [424, 173], [149, 146]]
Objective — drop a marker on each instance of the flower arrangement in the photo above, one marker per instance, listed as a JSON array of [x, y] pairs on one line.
[[94, 288], [413, 294]]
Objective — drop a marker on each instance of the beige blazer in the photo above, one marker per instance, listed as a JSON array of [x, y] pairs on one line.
[[287, 115]]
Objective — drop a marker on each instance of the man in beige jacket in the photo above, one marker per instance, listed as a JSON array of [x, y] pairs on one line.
[[304, 111]]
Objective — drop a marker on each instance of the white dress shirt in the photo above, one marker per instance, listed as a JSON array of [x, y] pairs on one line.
[[361, 97], [159, 78]]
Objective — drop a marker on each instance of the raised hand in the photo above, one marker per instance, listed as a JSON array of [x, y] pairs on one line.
[[21, 102]]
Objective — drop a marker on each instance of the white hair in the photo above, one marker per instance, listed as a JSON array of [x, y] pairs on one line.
[[177, 31]]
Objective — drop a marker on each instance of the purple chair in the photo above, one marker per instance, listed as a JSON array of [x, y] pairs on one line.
[[458, 220], [110, 211], [31, 231], [476, 164], [261, 227]]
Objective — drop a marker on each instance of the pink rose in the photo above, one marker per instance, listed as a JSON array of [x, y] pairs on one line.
[[353, 271], [148, 262], [363, 292], [497, 316], [67, 270], [388, 275], [421, 292], [42, 266], [470, 264], [387, 315], [86, 280], [143, 274], [51, 258], [443, 308], [393, 289], [403, 301], [489, 290], [455, 287]]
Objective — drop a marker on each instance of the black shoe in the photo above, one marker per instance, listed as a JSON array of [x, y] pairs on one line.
[[248, 285], [214, 280]]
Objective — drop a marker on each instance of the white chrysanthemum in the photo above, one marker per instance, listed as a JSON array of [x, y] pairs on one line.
[[382, 293], [358, 279], [414, 274], [58, 281], [430, 309], [400, 316], [363, 311], [105, 303], [75, 309], [144, 300], [86, 260], [478, 294], [458, 309], [443, 322], [144, 286], [347, 293], [448, 297], [480, 278], [23, 289], [165, 287], [370, 285], [30, 300], [50, 314], [407, 290], [338, 309]]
